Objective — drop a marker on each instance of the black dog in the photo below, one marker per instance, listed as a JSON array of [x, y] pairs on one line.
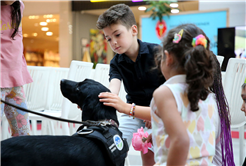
[[72, 150]]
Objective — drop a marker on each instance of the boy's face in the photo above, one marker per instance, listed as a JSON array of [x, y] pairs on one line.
[[119, 37], [243, 108]]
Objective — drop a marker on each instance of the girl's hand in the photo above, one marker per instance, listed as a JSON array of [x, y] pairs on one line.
[[149, 139], [147, 124], [113, 100]]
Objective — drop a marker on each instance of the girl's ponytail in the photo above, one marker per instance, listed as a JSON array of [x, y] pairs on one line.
[[199, 68]]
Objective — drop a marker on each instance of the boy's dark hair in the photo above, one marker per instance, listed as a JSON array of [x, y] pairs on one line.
[[16, 17], [119, 13], [196, 61]]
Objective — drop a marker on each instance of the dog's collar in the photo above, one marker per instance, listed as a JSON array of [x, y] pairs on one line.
[[109, 122], [100, 123]]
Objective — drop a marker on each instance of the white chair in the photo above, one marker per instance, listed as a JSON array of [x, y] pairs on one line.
[[54, 99], [101, 74], [234, 78], [78, 72], [5, 133], [36, 92], [220, 59]]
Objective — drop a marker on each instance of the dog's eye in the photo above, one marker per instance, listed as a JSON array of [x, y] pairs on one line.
[[77, 89]]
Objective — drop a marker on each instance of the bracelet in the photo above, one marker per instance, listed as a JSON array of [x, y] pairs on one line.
[[132, 111]]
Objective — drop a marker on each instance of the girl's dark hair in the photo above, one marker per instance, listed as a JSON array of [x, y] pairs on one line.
[[224, 113], [196, 61], [16, 17]]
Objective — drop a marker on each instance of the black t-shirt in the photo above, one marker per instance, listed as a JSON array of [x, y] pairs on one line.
[[139, 78]]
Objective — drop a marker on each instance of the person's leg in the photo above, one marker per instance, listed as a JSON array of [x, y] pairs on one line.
[[148, 158], [2, 130], [18, 120], [128, 126]]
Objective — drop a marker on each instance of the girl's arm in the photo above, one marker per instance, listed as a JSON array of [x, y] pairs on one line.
[[114, 100], [174, 126]]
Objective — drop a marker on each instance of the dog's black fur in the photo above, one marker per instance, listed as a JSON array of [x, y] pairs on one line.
[[64, 150]]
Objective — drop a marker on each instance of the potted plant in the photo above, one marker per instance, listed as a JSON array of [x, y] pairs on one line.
[[158, 9]]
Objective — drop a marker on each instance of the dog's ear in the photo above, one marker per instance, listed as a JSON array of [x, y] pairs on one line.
[[92, 108]]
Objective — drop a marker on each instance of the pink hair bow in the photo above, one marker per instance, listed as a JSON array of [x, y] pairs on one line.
[[139, 142]]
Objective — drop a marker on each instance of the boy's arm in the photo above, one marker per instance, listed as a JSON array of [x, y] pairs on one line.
[[114, 86], [114, 100]]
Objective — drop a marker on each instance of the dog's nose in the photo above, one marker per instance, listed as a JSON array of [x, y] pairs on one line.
[[62, 82]]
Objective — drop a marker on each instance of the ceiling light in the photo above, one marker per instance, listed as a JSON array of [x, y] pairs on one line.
[[43, 23], [174, 5], [141, 8], [175, 11], [48, 16], [51, 20], [35, 34], [33, 17], [49, 33], [25, 35], [44, 28]]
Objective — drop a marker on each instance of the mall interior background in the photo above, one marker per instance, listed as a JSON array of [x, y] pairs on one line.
[[71, 27]]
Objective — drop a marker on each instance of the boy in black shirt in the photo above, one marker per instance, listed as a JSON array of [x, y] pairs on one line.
[[133, 64]]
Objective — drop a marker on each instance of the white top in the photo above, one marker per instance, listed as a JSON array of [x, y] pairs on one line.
[[202, 125]]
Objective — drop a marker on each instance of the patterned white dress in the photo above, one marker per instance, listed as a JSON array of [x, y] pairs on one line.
[[202, 125]]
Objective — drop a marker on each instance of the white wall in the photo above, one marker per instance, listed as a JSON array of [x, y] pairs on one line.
[[40, 8], [236, 8], [82, 23]]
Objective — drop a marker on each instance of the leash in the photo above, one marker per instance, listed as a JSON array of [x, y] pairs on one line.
[[86, 123]]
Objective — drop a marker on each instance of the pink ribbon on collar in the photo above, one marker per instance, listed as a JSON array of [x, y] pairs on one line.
[[139, 142]]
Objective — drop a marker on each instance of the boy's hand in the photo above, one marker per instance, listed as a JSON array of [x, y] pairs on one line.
[[113, 100]]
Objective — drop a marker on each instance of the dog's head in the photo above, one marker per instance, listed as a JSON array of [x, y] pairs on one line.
[[85, 95]]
